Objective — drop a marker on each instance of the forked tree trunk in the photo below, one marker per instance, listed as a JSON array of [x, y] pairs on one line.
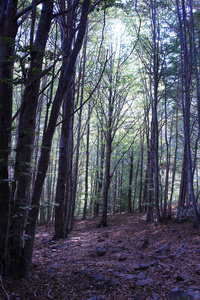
[[26, 134], [65, 80]]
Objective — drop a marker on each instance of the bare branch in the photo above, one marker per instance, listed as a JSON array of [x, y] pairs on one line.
[[28, 9], [94, 89]]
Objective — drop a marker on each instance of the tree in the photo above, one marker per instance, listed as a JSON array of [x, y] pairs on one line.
[[62, 210], [65, 80], [62, 194], [187, 172], [8, 31], [112, 112], [130, 183], [25, 210], [26, 134], [87, 165]]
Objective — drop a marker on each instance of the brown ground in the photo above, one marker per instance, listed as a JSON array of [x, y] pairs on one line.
[[72, 269]]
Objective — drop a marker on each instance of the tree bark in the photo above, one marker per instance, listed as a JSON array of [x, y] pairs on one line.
[[186, 104], [87, 164], [62, 171], [141, 173], [130, 183], [65, 80], [107, 178], [136, 179], [26, 134], [103, 222], [155, 143], [8, 30]]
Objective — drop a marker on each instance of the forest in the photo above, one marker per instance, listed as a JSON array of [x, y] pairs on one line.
[[99, 117]]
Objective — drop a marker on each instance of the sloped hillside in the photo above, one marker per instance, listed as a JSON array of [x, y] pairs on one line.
[[130, 259]]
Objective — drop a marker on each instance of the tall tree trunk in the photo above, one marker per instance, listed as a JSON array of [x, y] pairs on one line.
[[150, 197], [174, 165], [154, 110], [141, 172], [65, 80], [71, 207], [103, 222], [8, 30], [167, 161], [186, 103], [196, 68], [106, 185], [100, 171], [26, 134], [130, 183], [114, 192], [62, 170], [120, 186], [87, 164], [78, 139], [69, 178], [136, 186]]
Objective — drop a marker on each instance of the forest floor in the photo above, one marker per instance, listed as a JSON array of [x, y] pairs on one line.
[[130, 259]]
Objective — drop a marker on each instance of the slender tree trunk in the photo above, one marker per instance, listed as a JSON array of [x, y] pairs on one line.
[[87, 165], [88, 131], [37, 138], [136, 186], [175, 159], [149, 210], [114, 192], [167, 161], [103, 222], [141, 172], [120, 186], [75, 179], [130, 183], [155, 143], [196, 68], [183, 186], [75, 175], [69, 178], [62, 170], [101, 174], [107, 178]]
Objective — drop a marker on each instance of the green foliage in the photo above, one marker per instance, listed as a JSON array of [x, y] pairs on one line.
[[127, 38], [105, 4], [9, 41]]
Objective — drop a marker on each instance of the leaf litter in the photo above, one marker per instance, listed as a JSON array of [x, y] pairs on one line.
[[129, 259]]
